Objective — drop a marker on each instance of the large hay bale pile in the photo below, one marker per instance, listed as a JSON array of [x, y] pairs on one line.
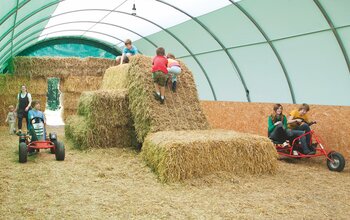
[[61, 67], [181, 111], [10, 85], [103, 115], [76, 75], [180, 155]]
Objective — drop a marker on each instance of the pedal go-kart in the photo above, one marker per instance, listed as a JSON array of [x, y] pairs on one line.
[[335, 160], [36, 140]]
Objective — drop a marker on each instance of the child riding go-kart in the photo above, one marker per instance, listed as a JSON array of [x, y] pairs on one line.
[[36, 139], [335, 161]]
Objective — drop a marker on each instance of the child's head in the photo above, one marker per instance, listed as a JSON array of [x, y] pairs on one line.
[[170, 55], [11, 108], [277, 108], [128, 43], [36, 105], [303, 109], [160, 51]]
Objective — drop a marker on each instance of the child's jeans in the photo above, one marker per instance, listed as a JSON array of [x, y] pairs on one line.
[[12, 128], [175, 71]]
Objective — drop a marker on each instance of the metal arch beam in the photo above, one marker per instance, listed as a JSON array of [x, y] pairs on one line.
[[335, 32], [218, 41], [74, 40], [48, 17], [106, 16], [27, 17], [268, 40], [37, 31], [70, 22], [149, 21], [34, 38], [14, 10], [13, 31]]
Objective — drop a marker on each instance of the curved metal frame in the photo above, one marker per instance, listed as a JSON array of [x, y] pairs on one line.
[[34, 38], [336, 35], [145, 19], [218, 41], [14, 22], [74, 40], [12, 11], [268, 40]]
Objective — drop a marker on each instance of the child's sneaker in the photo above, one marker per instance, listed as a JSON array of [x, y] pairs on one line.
[[162, 101], [156, 96]]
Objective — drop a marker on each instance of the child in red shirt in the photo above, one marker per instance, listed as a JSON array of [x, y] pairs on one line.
[[159, 74]]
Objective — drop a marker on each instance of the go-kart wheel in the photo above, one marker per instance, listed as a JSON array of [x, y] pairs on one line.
[[60, 151], [23, 152], [338, 163]]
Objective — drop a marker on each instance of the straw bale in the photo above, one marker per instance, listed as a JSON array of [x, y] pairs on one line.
[[180, 155], [70, 100], [115, 77], [106, 137], [108, 108], [11, 84], [78, 84], [78, 130], [181, 111], [68, 112], [61, 67]]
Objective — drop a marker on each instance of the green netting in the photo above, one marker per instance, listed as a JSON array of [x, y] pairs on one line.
[[284, 18], [195, 37], [167, 41], [344, 34], [27, 23], [261, 69], [239, 30], [317, 68], [70, 50], [202, 83], [223, 76], [338, 11]]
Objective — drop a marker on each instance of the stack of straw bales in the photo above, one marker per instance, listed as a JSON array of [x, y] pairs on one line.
[[10, 85], [103, 115], [61, 67], [180, 155], [182, 110], [76, 75]]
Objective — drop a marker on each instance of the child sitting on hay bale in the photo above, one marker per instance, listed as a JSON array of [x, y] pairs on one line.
[[159, 74], [174, 69], [129, 50]]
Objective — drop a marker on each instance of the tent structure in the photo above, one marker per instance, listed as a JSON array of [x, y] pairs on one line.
[[249, 50]]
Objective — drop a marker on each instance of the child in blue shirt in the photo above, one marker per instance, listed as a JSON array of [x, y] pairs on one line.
[[128, 51], [36, 129]]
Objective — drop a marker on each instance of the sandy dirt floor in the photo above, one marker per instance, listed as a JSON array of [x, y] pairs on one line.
[[116, 184]]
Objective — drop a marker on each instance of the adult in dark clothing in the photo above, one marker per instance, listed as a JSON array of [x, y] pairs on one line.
[[23, 106]]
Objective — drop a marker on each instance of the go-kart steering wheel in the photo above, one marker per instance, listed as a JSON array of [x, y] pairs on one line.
[[36, 120]]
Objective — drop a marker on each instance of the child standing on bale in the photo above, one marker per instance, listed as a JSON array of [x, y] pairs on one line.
[[159, 74], [128, 51], [174, 69], [11, 119]]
